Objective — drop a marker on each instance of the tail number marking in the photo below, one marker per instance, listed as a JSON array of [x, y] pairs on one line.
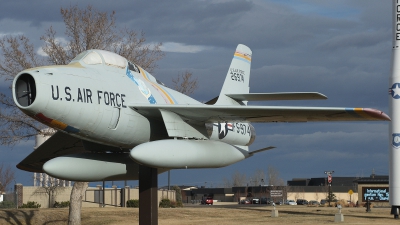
[[237, 75], [242, 128]]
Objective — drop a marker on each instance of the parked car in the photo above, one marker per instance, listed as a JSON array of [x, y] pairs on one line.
[[207, 201], [255, 201], [313, 202], [323, 201], [302, 202], [245, 201], [290, 202], [265, 201]]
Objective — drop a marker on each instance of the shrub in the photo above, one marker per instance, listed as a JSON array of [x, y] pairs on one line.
[[31, 205], [7, 204], [178, 193], [342, 202], [165, 203], [61, 204], [134, 203], [179, 204]]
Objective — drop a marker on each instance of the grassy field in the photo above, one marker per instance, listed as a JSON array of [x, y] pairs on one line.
[[216, 214]]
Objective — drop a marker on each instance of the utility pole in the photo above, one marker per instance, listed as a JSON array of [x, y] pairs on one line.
[[169, 179], [329, 173]]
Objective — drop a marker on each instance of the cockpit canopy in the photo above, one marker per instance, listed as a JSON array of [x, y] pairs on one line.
[[96, 56], [102, 57]]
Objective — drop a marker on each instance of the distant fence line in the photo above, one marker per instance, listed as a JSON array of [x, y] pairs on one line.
[[94, 196]]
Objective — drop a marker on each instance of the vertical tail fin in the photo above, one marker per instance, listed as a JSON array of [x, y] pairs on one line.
[[237, 79]]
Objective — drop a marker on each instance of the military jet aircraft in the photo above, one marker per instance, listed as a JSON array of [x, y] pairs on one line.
[[112, 115]]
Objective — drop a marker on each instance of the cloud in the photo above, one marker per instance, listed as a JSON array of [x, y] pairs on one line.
[[182, 48], [10, 34], [354, 40], [366, 139]]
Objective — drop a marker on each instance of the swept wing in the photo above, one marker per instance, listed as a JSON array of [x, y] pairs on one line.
[[264, 114]]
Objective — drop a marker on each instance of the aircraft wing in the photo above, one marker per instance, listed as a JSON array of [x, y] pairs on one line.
[[57, 145], [213, 113], [60, 144]]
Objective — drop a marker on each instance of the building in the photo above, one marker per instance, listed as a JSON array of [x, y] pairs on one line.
[[375, 189]]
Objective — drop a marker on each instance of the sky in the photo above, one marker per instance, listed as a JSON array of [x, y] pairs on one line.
[[339, 48]]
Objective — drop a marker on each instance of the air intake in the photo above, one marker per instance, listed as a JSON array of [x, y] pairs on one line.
[[25, 90]]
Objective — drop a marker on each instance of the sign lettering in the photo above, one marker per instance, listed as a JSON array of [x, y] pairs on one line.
[[86, 95]]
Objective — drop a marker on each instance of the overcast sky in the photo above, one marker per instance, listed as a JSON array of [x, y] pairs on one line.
[[339, 48]]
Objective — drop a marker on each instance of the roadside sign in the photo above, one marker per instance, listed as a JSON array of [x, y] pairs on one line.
[[276, 193], [329, 178]]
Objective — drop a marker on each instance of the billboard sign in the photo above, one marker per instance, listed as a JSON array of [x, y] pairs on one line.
[[276, 193], [375, 194]]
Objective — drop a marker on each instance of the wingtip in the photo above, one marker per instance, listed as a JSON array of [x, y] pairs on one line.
[[377, 114]]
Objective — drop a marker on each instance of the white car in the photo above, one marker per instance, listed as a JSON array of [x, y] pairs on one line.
[[291, 202]]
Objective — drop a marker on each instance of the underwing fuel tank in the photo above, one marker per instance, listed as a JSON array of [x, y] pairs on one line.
[[182, 153], [93, 167]]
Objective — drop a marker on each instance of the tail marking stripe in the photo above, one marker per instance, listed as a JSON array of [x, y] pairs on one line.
[[243, 57], [164, 92]]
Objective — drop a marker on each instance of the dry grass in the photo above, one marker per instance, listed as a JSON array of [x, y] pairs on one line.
[[217, 214]]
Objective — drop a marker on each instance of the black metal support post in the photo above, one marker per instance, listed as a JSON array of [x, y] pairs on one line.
[[368, 206], [104, 194], [395, 211], [148, 201]]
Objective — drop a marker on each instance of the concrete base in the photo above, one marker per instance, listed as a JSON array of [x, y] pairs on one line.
[[274, 213], [339, 218]]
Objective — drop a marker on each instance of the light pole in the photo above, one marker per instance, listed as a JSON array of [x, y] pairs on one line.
[[16, 193], [329, 173]]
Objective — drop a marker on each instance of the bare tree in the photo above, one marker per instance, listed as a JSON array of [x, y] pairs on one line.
[[316, 195], [273, 177], [18, 54], [238, 179], [288, 191], [185, 83], [258, 178], [90, 29], [51, 187], [7, 175], [78, 190]]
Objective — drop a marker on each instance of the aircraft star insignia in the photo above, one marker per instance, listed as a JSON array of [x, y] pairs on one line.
[[395, 91]]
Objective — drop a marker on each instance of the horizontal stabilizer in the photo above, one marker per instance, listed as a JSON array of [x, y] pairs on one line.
[[261, 150], [278, 96], [272, 96]]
